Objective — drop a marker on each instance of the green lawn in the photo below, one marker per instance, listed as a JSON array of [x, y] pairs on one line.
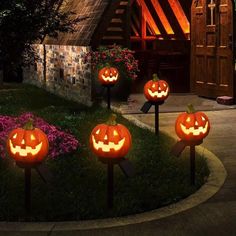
[[78, 191]]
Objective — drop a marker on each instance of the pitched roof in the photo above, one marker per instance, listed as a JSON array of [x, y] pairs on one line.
[[93, 9]]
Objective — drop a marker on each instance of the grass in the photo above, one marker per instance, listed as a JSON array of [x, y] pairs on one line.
[[78, 187]]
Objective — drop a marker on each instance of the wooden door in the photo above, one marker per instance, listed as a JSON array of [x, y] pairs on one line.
[[212, 58]]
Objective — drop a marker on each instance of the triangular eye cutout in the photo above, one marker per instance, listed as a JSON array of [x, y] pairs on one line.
[[15, 136], [97, 132], [203, 118], [153, 86], [115, 133], [32, 137], [188, 119]]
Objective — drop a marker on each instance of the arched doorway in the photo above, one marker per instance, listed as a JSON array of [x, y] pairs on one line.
[[212, 47]]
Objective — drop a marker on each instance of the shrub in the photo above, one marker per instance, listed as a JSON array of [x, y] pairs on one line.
[[115, 56]]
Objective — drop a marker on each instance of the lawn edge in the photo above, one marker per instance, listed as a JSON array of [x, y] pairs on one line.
[[214, 182]]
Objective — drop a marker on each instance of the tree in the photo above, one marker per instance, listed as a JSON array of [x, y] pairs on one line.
[[24, 22]]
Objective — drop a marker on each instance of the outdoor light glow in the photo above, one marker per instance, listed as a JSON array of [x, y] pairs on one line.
[[194, 131], [192, 125], [156, 89], [109, 146], [158, 94], [108, 75], [25, 151], [110, 139], [27, 145], [110, 78], [180, 16]]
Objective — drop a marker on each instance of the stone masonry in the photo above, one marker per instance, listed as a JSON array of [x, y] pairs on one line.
[[66, 73]]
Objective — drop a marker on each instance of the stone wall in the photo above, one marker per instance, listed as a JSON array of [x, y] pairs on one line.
[[66, 73]]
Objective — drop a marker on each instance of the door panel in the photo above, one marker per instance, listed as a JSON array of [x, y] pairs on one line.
[[212, 67]]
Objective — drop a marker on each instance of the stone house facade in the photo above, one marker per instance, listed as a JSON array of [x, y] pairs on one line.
[[160, 34], [64, 72], [60, 68]]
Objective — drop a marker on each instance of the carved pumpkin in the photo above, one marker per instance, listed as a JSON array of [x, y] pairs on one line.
[[110, 140], [156, 90], [27, 145], [192, 125], [108, 75]]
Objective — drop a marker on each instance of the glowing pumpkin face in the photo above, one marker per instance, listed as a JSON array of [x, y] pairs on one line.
[[27, 146], [108, 75], [156, 90], [110, 140], [192, 125]]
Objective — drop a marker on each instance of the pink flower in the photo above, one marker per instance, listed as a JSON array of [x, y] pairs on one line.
[[60, 142], [122, 58]]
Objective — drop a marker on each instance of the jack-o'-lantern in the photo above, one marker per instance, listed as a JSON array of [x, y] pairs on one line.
[[110, 140], [108, 75], [156, 90], [192, 125], [27, 145]]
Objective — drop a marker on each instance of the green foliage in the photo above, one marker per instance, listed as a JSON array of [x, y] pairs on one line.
[[78, 189], [24, 22]]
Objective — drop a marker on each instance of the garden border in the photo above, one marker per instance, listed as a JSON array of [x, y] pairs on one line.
[[214, 183]]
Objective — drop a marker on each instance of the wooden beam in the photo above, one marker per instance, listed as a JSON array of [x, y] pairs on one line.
[[180, 15], [148, 17], [157, 19], [179, 34], [186, 5]]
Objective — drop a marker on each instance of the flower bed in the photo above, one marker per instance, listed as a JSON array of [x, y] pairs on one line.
[[114, 55], [123, 60], [60, 142]]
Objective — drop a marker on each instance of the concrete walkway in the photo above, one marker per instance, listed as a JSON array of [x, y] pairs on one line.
[[215, 217]]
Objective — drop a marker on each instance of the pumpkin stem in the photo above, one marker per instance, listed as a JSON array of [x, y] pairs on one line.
[[190, 109], [155, 77], [29, 124], [112, 119]]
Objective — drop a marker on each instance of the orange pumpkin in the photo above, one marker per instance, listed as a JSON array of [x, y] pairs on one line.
[[110, 140], [108, 75], [192, 125], [27, 145], [156, 90]]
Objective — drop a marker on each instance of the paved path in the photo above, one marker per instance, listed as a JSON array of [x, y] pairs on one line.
[[217, 216]]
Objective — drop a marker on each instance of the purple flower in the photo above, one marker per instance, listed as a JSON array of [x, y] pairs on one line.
[[60, 142]]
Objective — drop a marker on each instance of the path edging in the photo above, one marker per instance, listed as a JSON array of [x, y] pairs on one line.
[[214, 183]]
